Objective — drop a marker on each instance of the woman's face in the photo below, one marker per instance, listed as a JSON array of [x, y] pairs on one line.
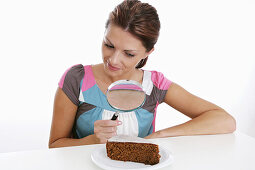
[[121, 51]]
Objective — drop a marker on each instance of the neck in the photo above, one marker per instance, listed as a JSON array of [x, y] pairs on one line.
[[131, 75], [107, 79]]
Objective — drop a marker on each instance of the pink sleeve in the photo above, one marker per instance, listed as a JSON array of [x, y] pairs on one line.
[[70, 82], [160, 81], [162, 84], [61, 82]]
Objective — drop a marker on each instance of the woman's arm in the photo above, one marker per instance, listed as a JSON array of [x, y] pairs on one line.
[[206, 118], [64, 113]]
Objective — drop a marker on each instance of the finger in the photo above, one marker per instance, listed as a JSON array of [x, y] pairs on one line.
[[105, 129], [109, 129], [105, 123], [103, 137], [109, 135]]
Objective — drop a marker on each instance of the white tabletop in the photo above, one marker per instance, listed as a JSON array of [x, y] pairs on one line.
[[222, 152]]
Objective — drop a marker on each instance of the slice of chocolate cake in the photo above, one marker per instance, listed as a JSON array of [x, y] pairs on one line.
[[134, 149]]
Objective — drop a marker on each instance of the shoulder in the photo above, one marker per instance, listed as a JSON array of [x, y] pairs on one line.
[[75, 69], [159, 80], [75, 72]]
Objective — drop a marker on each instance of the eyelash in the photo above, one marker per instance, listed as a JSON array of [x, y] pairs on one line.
[[128, 54], [109, 46]]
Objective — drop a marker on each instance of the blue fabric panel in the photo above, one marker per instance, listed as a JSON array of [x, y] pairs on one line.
[[96, 97], [145, 119], [85, 122]]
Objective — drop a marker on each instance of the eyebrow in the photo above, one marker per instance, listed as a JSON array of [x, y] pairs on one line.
[[108, 40], [113, 45]]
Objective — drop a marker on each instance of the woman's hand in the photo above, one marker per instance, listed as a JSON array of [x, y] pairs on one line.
[[105, 129]]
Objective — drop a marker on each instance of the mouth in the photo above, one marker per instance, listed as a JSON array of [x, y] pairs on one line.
[[112, 68]]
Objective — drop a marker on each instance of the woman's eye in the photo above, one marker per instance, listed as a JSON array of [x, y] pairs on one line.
[[109, 46], [130, 55]]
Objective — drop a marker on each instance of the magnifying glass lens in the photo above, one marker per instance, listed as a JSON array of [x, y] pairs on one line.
[[125, 95]]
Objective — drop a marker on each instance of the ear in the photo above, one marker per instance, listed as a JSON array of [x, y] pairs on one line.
[[148, 53]]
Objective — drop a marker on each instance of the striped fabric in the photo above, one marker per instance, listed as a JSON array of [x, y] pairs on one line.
[[79, 84]]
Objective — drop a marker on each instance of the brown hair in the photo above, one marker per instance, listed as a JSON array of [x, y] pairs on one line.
[[139, 19]]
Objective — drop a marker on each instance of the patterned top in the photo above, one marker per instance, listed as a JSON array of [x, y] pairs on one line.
[[79, 84]]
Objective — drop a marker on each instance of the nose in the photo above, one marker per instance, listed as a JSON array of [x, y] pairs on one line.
[[115, 58]]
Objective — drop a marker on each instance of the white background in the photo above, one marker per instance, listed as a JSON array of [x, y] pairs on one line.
[[208, 47]]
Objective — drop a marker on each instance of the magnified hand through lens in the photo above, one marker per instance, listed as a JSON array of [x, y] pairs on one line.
[[125, 96]]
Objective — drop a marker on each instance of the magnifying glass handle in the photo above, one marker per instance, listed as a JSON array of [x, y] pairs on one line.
[[115, 116]]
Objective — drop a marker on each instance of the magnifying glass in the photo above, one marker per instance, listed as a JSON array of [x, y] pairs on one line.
[[125, 96]]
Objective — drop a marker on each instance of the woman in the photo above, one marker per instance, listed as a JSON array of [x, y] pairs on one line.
[[81, 113]]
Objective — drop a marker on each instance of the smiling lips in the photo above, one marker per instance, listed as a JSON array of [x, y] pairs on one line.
[[112, 68]]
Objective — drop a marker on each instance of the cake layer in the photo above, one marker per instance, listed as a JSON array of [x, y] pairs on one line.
[[134, 149]]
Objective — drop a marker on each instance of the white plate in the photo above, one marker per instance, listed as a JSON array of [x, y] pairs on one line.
[[100, 158]]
